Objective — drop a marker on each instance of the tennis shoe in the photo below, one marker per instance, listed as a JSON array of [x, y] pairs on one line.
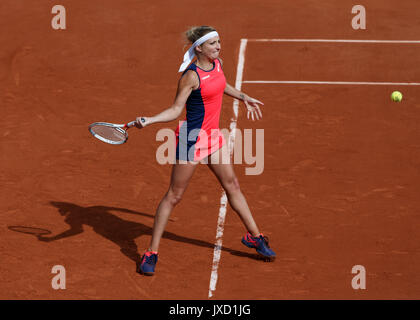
[[148, 263], [259, 243]]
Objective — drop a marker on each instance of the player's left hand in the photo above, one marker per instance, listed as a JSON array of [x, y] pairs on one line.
[[253, 108]]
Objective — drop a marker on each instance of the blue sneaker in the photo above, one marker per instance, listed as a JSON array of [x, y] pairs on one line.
[[261, 244], [148, 263]]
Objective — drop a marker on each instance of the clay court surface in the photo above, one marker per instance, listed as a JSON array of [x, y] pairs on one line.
[[341, 173]]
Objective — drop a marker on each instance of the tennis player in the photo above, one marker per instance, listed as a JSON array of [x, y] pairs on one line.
[[200, 89]]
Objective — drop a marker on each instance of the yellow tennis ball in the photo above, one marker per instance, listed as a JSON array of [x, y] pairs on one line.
[[396, 96]]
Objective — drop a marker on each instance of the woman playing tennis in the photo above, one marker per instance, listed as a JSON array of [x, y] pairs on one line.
[[200, 89]]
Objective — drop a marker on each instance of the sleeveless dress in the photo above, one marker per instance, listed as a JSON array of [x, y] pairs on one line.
[[198, 136]]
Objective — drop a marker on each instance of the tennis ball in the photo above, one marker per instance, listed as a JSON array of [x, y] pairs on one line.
[[396, 96]]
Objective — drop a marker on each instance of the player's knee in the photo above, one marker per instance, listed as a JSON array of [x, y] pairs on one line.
[[174, 196], [232, 185]]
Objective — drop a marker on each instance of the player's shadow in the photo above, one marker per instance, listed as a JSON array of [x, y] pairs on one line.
[[121, 232]]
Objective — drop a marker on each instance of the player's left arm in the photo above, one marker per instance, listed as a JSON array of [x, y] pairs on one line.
[[251, 104]]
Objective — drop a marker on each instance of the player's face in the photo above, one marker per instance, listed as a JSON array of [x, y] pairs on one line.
[[211, 48]]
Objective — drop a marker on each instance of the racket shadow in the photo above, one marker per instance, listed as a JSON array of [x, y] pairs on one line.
[[120, 231], [29, 230]]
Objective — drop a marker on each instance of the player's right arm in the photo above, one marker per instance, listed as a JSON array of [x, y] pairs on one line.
[[186, 84]]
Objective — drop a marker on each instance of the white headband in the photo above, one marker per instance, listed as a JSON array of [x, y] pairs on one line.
[[190, 54]]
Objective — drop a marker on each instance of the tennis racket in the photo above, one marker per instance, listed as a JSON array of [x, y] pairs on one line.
[[110, 132]]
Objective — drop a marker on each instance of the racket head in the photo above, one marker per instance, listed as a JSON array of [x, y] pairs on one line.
[[109, 132], [29, 230]]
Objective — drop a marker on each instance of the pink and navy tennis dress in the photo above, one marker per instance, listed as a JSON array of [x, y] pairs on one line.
[[199, 135]]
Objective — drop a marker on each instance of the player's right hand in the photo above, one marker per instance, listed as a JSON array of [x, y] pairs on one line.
[[141, 122]]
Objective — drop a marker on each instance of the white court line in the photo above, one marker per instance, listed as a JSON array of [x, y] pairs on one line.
[[337, 40], [339, 83], [223, 199]]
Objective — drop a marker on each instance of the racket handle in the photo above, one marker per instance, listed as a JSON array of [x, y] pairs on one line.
[[130, 124]]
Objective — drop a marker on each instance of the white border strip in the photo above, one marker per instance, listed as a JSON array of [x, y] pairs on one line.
[[223, 199], [339, 83], [337, 40]]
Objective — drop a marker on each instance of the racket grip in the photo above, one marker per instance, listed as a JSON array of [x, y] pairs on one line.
[[130, 124]]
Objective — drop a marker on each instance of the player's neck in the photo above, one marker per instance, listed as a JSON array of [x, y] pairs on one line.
[[204, 63]]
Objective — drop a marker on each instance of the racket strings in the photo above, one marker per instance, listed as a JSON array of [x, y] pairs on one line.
[[109, 133]]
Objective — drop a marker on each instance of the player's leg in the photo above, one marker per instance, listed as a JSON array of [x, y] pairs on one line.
[[225, 174], [180, 177], [219, 163]]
